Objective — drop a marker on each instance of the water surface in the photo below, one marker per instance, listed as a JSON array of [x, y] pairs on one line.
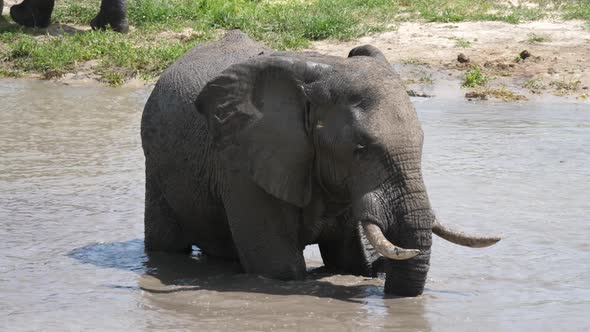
[[71, 227]]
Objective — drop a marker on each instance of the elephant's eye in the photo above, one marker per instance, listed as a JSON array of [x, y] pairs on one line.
[[363, 143], [360, 149]]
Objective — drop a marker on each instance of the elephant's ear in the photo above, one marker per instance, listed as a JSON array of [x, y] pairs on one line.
[[370, 51], [257, 114]]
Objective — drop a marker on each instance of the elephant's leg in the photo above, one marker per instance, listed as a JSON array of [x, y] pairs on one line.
[[344, 250], [113, 12], [163, 231], [33, 13], [265, 231]]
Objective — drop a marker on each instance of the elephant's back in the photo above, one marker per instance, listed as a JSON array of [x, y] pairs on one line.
[[189, 74], [174, 135], [171, 104]]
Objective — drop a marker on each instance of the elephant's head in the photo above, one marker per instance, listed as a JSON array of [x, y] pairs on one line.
[[345, 125]]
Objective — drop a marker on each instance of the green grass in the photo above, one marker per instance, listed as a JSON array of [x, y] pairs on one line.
[[467, 10], [534, 38], [119, 56], [287, 24], [505, 94], [461, 42], [534, 84], [565, 87], [579, 9], [498, 93], [281, 25], [474, 77]]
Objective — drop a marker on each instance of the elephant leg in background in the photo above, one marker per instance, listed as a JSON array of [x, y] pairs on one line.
[[343, 251], [113, 12], [265, 230], [33, 13], [162, 227]]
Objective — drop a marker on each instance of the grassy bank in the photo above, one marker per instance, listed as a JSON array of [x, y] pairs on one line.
[[165, 29]]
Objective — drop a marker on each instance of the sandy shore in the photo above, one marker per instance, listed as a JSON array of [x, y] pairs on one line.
[[426, 56]]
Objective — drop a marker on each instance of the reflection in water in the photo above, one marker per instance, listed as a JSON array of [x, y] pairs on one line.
[[71, 220], [128, 255]]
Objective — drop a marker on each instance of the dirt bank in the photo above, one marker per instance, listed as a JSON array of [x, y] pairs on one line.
[[426, 56]]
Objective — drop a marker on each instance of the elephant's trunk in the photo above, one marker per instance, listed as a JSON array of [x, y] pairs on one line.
[[399, 210], [407, 278]]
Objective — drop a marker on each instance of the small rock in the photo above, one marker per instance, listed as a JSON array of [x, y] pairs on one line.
[[524, 54], [462, 58], [52, 74], [584, 88], [551, 71], [413, 93], [476, 95]]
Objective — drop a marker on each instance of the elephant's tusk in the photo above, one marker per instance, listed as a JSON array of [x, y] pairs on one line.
[[461, 238], [383, 246]]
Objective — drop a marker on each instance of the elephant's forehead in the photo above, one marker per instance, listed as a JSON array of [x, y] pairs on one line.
[[364, 81], [392, 117], [393, 128]]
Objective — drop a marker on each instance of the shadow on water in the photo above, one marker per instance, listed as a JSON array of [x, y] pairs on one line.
[[215, 292], [178, 272], [128, 255]]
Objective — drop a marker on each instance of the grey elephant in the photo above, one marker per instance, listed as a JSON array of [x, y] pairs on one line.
[[37, 13], [253, 154]]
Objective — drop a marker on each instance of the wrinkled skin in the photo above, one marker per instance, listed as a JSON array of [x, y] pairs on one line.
[[253, 154], [37, 13]]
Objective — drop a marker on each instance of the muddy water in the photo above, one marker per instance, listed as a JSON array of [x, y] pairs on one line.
[[71, 242]]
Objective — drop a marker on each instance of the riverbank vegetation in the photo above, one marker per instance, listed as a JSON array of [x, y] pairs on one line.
[[165, 29]]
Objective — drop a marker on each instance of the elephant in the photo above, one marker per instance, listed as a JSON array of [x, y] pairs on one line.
[[252, 154], [37, 13]]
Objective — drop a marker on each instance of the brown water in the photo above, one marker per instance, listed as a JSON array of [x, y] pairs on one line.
[[71, 229]]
